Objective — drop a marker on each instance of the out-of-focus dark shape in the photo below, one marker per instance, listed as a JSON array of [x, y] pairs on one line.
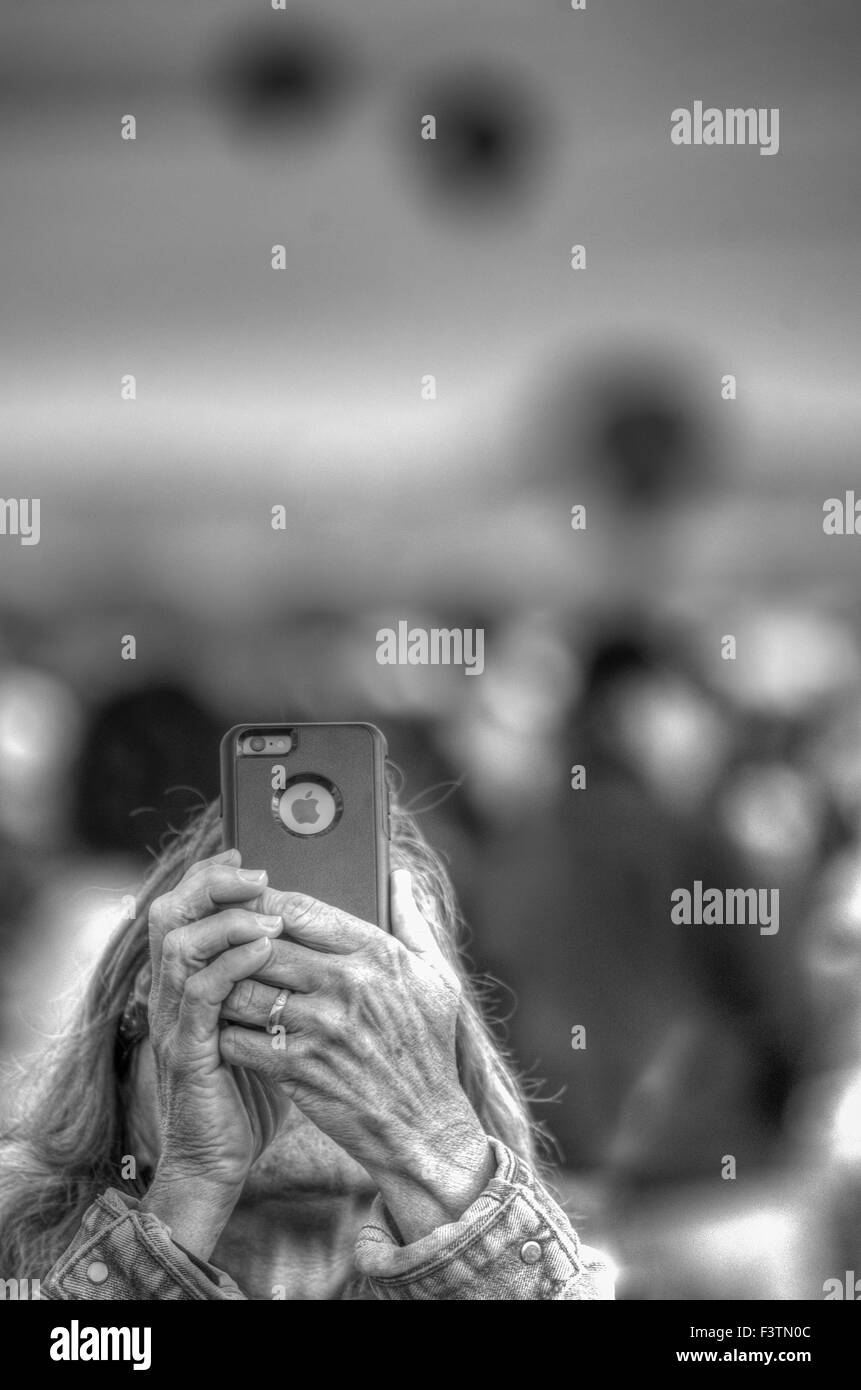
[[285, 78], [634, 425], [489, 137], [644, 440], [147, 758]]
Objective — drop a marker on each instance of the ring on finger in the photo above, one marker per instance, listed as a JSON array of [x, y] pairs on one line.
[[274, 1021]]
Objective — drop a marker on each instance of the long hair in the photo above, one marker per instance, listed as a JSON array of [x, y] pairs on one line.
[[67, 1142]]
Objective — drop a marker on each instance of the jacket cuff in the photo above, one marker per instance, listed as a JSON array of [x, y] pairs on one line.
[[121, 1252], [513, 1242]]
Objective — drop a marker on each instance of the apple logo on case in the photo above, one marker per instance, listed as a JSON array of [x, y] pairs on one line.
[[305, 808], [308, 805]]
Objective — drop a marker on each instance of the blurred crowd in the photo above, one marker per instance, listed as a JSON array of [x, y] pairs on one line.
[[653, 1051]]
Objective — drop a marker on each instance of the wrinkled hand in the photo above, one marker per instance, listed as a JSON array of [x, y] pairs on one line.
[[214, 1121], [365, 1046]]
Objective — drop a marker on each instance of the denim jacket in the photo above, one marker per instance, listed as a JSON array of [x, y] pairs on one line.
[[513, 1242]]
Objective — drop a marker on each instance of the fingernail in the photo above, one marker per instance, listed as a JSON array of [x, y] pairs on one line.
[[262, 946], [268, 923], [251, 875]]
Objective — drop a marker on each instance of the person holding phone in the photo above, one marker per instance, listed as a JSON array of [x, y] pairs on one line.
[[265, 1096]]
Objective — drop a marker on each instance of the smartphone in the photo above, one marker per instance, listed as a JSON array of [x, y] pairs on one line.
[[309, 804]]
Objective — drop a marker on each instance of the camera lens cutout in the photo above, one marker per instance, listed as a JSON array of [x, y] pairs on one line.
[[279, 743]]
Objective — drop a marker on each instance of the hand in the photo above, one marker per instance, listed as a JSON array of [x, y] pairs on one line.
[[214, 1123], [367, 1050]]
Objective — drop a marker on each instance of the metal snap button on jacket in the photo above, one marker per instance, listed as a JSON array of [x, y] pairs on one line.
[[97, 1272], [530, 1252]]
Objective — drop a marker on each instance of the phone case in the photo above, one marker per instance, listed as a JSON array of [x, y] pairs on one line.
[[347, 864]]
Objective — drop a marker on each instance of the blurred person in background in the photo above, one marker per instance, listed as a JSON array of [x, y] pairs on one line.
[[140, 749], [825, 1116], [764, 1069], [384, 1151], [575, 889], [98, 784]]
